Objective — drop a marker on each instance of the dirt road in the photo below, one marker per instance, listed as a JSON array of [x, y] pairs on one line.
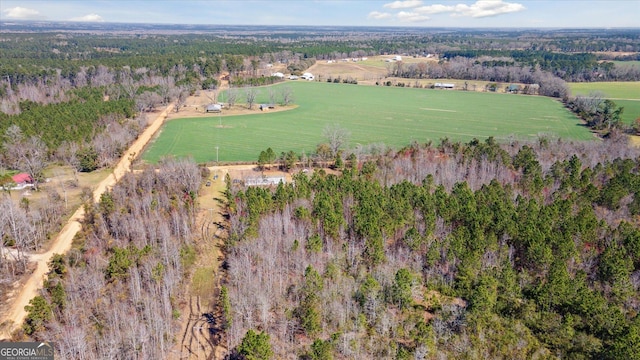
[[14, 316]]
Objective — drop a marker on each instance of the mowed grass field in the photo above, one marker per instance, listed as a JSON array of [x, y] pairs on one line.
[[625, 94], [389, 115]]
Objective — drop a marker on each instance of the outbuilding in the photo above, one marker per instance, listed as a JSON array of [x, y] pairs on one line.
[[214, 108], [444, 85]]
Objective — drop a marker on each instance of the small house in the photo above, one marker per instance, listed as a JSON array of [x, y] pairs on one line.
[[22, 180]]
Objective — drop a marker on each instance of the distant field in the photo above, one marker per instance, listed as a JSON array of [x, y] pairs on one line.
[[631, 110], [394, 116], [627, 63], [611, 89], [626, 94]]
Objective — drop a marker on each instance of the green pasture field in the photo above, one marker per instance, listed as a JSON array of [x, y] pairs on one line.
[[390, 115], [611, 89], [626, 94], [626, 63], [631, 110]]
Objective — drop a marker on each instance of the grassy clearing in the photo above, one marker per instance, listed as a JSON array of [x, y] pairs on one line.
[[626, 94], [61, 179], [393, 116]]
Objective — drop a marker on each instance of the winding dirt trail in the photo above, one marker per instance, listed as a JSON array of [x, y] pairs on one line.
[[14, 314]]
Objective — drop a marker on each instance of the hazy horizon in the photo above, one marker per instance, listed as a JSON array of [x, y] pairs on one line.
[[535, 14]]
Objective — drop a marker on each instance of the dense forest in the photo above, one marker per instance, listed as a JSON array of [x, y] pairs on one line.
[[474, 250], [116, 294], [573, 55]]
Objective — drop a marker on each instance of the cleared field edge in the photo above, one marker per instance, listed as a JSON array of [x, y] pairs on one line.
[[390, 115]]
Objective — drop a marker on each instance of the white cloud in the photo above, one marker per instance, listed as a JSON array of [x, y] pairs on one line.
[[485, 8], [89, 18], [419, 12], [434, 9], [378, 15], [22, 13], [403, 4], [411, 17]]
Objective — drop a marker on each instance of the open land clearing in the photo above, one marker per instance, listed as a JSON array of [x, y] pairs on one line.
[[625, 94], [373, 114]]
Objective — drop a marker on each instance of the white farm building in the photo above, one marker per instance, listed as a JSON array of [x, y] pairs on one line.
[[307, 76]]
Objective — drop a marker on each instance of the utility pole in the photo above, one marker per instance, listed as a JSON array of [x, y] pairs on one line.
[[217, 154]]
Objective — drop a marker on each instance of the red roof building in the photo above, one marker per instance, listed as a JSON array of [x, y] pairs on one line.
[[22, 178]]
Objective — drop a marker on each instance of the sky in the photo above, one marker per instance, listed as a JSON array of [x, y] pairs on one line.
[[417, 13]]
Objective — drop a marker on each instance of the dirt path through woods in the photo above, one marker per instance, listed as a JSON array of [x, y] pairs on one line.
[[13, 314]]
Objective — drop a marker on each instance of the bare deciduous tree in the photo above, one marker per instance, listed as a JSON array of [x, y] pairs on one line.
[[147, 101], [28, 155], [336, 136], [251, 93], [129, 86], [102, 77], [232, 96], [272, 95], [287, 96]]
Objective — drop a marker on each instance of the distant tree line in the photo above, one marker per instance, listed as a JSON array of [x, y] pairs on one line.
[[469, 69]]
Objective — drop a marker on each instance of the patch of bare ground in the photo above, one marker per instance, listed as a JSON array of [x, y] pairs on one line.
[[201, 331], [365, 74], [634, 140]]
